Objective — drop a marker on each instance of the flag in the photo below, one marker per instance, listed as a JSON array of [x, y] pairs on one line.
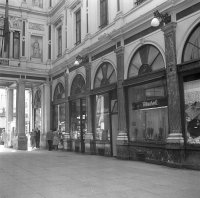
[[6, 29]]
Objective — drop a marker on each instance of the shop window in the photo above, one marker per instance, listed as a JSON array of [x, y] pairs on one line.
[[192, 47], [16, 45], [192, 108], [148, 114], [78, 119], [102, 117], [146, 59], [105, 75]]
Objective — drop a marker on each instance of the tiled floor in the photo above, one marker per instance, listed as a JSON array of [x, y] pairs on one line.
[[58, 174]]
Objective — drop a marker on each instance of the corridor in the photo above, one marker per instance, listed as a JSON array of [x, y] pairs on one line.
[[58, 174]]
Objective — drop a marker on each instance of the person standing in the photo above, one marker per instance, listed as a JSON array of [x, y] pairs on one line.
[[55, 140], [37, 138], [49, 138]]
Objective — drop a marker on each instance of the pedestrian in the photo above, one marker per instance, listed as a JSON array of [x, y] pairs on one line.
[[55, 140], [37, 138], [32, 138], [49, 138]]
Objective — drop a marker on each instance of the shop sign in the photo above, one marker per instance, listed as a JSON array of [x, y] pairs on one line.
[[150, 104]]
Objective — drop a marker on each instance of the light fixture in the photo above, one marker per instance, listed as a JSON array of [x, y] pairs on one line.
[[81, 59], [160, 18]]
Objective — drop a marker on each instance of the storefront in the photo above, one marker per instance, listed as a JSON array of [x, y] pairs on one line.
[[78, 114], [189, 72], [105, 110], [59, 108], [147, 106]]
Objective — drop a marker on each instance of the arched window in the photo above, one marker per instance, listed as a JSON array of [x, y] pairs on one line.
[[192, 46], [105, 75], [78, 85], [37, 99], [146, 59], [59, 92]]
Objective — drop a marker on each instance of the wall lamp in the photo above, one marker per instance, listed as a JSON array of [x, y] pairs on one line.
[[81, 59], [160, 18]]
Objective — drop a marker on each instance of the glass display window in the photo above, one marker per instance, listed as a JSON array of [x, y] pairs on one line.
[[102, 117], [148, 112], [192, 110]]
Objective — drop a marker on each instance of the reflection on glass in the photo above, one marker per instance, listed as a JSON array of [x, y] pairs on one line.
[[78, 119], [102, 117], [148, 112], [59, 117], [192, 111]]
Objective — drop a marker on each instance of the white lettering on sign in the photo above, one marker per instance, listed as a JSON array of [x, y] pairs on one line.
[[150, 103]]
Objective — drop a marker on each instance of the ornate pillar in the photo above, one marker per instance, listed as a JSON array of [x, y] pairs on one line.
[[20, 139], [67, 139], [89, 135], [174, 110], [122, 138], [46, 113], [122, 135], [9, 117]]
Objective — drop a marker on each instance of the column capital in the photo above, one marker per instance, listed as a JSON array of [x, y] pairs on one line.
[[170, 27], [119, 50]]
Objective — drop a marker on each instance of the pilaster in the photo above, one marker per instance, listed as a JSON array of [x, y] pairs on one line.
[[174, 110]]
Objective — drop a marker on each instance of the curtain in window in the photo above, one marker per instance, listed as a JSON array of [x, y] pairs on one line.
[[103, 13], [16, 44], [78, 27], [2, 53]]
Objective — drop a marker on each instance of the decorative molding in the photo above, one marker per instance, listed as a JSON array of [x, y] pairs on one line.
[[36, 26]]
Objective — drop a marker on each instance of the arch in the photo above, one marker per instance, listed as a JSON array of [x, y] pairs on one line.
[[59, 92], [147, 58], [78, 85], [191, 49], [105, 75], [37, 99]]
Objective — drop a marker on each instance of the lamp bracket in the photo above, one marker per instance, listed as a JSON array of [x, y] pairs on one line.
[[165, 18]]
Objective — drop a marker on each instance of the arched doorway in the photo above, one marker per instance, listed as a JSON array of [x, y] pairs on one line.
[[78, 113], [59, 108], [106, 110], [147, 96]]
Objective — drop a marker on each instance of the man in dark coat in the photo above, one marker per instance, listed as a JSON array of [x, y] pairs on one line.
[[37, 138]]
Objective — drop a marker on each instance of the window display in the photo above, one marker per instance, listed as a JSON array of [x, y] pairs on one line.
[[148, 114], [102, 117], [192, 111]]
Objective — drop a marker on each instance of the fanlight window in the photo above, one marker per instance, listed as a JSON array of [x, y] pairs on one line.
[[59, 92], [105, 75], [78, 85], [146, 59], [192, 47], [37, 99]]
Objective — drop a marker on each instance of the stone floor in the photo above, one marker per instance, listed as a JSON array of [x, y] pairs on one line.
[[58, 174]]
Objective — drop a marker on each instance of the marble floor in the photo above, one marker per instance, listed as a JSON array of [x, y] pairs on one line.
[[58, 174]]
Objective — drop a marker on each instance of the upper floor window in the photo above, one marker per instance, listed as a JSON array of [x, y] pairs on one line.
[[2, 54], [103, 13], [78, 27], [118, 5], [16, 44], [59, 41]]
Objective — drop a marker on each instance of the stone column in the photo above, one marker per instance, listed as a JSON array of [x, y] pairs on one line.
[[89, 135], [46, 114], [21, 139], [122, 135], [122, 138], [9, 117], [174, 110], [67, 139]]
